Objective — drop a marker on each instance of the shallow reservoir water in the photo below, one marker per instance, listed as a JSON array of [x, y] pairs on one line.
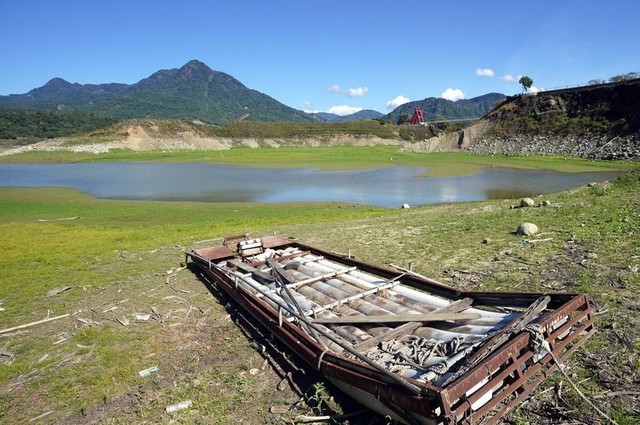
[[386, 187]]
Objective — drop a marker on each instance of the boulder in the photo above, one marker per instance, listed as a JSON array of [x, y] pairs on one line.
[[405, 206], [526, 229], [527, 202]]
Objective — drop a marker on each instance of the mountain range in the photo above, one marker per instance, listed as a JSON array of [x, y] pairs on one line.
[[195, 92]]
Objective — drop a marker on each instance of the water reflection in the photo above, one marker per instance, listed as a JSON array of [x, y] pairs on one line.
[[388, 187]]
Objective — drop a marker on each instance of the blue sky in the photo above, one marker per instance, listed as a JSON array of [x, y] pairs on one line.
[[337, 56]]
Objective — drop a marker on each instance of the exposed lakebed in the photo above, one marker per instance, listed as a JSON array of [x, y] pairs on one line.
[[386, 187]]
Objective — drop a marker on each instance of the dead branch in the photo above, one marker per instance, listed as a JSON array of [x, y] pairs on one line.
[[27, 325]]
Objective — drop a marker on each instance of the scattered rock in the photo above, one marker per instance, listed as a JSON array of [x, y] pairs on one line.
[[546, 203], [526, 229], [405, 206], [527, 202], [486, 241], [573, 145], [592, 184]]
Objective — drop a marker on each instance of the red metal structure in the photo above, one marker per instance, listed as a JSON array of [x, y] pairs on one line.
[[417, 118], [502, 356]]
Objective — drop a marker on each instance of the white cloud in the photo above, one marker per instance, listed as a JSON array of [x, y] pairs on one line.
[[311, 111], [534, 90], [397, 101], [453, 94], [354, 92], [343, 110], [357, 92], [510, 78], [485, 72]]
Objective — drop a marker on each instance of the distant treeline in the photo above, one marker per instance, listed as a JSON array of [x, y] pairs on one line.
[[15, 124]]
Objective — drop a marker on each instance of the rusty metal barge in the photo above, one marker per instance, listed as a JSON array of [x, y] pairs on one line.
[[400, 343]]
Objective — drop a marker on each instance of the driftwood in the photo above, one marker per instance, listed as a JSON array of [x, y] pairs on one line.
[[41, 416], [58, 290], [58, 219], [399, 318], [27, 325]]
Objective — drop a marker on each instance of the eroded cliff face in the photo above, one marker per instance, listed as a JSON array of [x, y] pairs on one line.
[[612, 109], [597, 122]]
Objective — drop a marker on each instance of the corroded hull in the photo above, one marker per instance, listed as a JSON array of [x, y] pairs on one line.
[[402, 344]]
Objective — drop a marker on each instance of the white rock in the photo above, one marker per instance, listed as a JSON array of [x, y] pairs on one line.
[[527, 202], [527, 229]]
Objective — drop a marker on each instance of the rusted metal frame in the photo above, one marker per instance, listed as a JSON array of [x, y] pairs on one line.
[[412, 388], [301, 344], [542, 369], [517, 299], [575, 303], [499, 366], [583, 330], [308, 350], [529, 381], [234, 239], [584, 319], [258, 263], [389, 394], [519, 386], [467, 381], [498, 357], [499, 339]]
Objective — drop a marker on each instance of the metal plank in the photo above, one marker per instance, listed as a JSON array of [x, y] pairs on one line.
[[399, 318]]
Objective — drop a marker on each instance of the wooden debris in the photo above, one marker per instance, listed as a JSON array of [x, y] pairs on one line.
[[310, 419], [143, 317], [45, 414], [155, 314], [174, 297], [110, 309], [58, 290], [89, 322], [43, 358], [42, 220], [173, 273], [188, 312], [124, 321], [27, 325], [539, 240]]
